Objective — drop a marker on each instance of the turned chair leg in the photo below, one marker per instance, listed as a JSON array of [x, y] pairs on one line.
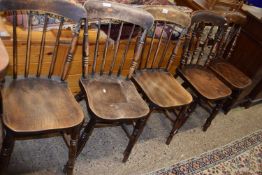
[[85, 135], [229, 104], [212, 116], [7, 149], [181, 119], [138, 129], [72, 151]]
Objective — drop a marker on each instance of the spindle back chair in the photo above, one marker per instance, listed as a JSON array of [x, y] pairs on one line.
[[201, 47], [110, 95], [154, 77], [47, 103], [231, 75]]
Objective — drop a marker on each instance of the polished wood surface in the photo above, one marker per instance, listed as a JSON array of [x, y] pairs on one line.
[[162, 89], [114, 99], [207, 83], [47, 105], [235, 78]]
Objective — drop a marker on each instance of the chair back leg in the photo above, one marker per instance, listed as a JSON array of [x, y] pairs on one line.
[[7, 149]]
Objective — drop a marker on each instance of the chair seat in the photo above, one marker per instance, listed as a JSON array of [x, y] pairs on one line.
[[162, 88], [111, 98], [206, 83], [35, 105], [234, 77]]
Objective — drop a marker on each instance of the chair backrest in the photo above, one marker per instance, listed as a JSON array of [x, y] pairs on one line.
[[59, 10], [169, 27], [231, 5], [235, 21], [112, 60], [203, 38]]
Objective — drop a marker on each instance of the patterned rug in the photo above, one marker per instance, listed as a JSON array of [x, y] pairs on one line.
[[241, 157]]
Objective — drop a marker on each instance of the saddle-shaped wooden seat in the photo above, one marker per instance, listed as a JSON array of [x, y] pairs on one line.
[[162, 89], [33, 105], [113, 99], [206, 83], [233, 76]]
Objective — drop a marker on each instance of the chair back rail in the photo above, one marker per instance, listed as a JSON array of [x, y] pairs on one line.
[[110, 13], [59, 9], [203, 38], [235, 20], [165, 17]]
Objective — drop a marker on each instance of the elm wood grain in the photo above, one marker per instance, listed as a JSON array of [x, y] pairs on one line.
[[206, 87], [111, 98], [154, 78], [232, 76], [114, 99], [162, 89], [206, 83], [47, 104]]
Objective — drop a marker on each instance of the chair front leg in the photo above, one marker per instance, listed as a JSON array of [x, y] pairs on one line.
[[229, 104], [138, 129], [213, 114], [85, 135], [72, 150], [181, 119], [6, 151]]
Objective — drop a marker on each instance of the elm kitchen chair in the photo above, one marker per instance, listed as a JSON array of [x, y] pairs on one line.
[[230, 74], [38, 101], [200, 49], [154, 78], [111, 97]]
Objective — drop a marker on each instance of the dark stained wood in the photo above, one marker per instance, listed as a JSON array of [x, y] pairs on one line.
[[162, 89], [154, 79], [114, 99], [67, 9], [199, 51], [235, 78], [111, 98], [206, 83], [116, 11], [47, 103]]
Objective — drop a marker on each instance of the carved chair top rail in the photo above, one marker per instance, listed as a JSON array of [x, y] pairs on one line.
[[67, 9], [233, 17], [208, 16], [169, 14], [110, 10]]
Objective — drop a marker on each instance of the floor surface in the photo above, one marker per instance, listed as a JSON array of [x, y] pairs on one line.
[[103, 153]]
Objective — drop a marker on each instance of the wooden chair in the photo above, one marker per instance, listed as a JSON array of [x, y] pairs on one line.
[[154, 77], [199, 50], [229, 5], [37, 101], [111, 97], [231, 75]]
